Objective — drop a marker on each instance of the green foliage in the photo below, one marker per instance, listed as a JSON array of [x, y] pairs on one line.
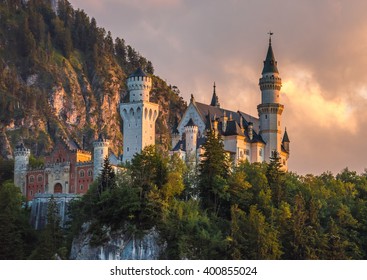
[[42, 50], [250, 211], [52, 243], [6, 170], [35, 162], [213, 173], [275, 177], [16, 235], [252, 237], [208, 211]]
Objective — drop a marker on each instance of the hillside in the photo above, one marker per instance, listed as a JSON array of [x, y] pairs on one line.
[[63, 76]]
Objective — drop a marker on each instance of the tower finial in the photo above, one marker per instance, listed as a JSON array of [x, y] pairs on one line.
[[215, 100], [270, 34]]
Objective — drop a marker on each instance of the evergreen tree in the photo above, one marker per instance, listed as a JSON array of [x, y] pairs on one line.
[[213, 173], [107, 180], [27, 44], [52, 244], [11, 242], [275, 177]]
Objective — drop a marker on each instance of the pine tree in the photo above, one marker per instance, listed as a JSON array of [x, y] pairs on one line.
[[11, 243], [107, 180], [275, 177], [52, 239], [213, 172]]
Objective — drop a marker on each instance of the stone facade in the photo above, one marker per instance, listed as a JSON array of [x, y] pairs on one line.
[[139, 115], [69, 169], [245, 137]]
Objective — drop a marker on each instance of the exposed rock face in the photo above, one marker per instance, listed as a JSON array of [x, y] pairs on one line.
[[77, 96], [40, 208], [5, 148], [120, 247]]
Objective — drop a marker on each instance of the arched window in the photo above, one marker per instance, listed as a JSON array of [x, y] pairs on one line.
[[81, 187], [31, 179], [90, 173], [82, 173], [39, 178]]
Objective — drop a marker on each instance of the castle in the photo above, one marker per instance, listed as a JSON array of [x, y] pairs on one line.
[[244, 137], [70, 170]]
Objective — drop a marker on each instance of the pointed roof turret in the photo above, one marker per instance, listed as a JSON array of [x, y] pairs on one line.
[[270, 64], [285, 137], [190, 123], [100, 137], [215, 100], [139, 73]]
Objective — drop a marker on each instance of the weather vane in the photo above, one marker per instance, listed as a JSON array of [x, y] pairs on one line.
[[270, 34]]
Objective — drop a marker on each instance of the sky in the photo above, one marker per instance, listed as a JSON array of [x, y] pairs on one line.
[[320, 46]]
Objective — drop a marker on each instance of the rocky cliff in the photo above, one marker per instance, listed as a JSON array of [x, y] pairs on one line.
[[121, 246], [62, 76]]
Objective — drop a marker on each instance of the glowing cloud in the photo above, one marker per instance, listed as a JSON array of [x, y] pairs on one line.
[[307, 102]]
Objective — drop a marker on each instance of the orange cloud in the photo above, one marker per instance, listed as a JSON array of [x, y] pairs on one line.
[[306, 99]]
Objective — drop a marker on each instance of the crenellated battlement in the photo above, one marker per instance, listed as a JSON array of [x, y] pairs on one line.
[[139, 83], [101, 144]]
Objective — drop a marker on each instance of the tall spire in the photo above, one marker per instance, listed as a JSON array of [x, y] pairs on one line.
[[215, 101], [285, 137], [270, 64]]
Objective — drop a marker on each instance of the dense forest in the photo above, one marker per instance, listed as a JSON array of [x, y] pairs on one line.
[[211, 210], [63, 76]]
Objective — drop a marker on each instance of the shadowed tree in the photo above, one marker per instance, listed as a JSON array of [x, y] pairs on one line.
[[213, 173]]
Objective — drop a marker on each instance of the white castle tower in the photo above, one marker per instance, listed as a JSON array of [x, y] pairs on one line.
[[191, 132], [21, 161], [100, 153], [139, 115], [270, 110]]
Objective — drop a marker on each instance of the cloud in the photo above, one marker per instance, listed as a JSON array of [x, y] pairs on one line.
[[305, 98], [321, 48]]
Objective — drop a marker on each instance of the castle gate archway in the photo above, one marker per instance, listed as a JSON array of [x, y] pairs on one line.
[[58, 188]]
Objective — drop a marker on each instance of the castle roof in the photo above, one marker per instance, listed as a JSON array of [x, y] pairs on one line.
[[233, 128], [71, 144], [237, 120], [181, 145], [285, 137], [20, 146], [270, 64], [284, 150], [215, 100], [190, 123], [101, 138], [205, 110], [139, 73]]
